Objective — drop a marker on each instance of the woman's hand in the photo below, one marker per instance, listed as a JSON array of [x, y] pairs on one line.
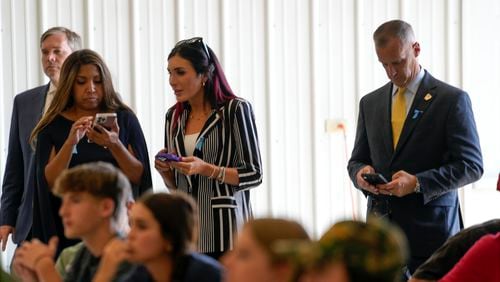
[[114, 253], [163, 167], [59, 161], [165, 170], [192, 166], [104, 137], [78, 129]]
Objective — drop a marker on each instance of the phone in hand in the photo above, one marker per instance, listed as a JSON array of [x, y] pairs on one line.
[[374, 178], [105, 120], [168, 157]]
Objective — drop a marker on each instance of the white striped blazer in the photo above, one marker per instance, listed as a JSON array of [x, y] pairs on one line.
[[228, 138]]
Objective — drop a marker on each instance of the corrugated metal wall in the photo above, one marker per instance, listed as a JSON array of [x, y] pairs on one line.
[[299, 63]]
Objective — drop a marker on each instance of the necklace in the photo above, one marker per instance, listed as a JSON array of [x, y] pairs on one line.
[[199, 115], [203, 115]]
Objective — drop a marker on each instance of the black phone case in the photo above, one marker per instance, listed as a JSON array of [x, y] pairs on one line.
[[374, 178]]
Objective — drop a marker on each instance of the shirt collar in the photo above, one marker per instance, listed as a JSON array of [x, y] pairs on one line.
[[52, 89], [413, 85]]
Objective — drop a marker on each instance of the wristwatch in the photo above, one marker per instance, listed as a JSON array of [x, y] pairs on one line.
[[417, 187]]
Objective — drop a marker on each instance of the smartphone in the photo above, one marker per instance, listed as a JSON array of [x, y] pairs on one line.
[[105, 120], [168, 157], [374, 178]]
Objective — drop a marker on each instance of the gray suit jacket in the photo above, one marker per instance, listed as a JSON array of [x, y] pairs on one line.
[[439, 144], [16, 208]]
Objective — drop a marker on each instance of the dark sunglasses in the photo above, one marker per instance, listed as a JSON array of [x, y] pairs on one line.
[[192, 41]]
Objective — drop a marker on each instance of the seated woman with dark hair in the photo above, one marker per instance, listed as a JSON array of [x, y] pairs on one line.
[[162, 235]]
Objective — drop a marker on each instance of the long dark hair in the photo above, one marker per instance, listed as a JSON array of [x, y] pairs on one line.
[[176, 213], [63, 99], [204, 61]]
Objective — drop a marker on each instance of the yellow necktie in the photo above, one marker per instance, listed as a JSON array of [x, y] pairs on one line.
[[398, 115]]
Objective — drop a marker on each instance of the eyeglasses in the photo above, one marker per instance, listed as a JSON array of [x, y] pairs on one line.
[[192, 41]]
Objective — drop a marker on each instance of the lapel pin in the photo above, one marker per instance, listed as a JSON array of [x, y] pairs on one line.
[[416, 113], [427, 97], [200, 142]]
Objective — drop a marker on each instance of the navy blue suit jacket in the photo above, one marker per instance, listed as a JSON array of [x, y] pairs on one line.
[[439, 144], [17, 191]]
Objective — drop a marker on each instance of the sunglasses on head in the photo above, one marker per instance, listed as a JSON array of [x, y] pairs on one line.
[[192, 41]]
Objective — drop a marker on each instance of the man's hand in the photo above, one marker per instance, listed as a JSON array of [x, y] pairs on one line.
[[5, 231], [30, 253], [363, 184], [401, 185], [25, 274]]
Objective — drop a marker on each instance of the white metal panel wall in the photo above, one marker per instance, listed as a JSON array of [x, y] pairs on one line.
[[299, 62], [289, 102], [481, 73]]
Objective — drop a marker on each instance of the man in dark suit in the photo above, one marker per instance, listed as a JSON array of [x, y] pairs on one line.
[[420, 134], [16, 208]]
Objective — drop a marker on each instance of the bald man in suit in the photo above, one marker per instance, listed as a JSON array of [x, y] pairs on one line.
[[16, 208], [426, 154]]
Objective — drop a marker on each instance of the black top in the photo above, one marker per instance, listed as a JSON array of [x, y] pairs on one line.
[[192, 267], [46, 220]]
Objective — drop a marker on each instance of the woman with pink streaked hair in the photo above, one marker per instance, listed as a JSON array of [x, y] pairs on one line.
[[214, 133]]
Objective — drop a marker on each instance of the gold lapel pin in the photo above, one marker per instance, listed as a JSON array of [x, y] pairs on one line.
[[427, 97]]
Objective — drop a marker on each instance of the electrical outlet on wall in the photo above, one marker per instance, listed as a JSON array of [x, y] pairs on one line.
[[335, 125]]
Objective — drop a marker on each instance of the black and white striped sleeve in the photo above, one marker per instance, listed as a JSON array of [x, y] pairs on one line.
[[249, 163]]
